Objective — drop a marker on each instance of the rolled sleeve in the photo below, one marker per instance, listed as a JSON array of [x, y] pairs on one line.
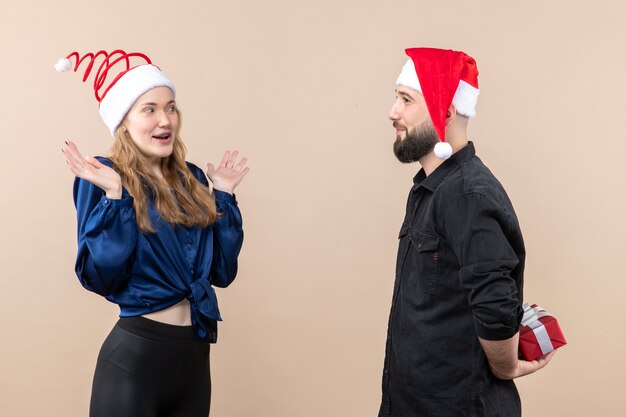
[[486, 262]]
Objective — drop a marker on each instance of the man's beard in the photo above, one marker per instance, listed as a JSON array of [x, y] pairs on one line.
[[418, 143]]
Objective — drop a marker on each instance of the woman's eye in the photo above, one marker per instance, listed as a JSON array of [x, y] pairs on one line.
[[171, 109], [148, 110]]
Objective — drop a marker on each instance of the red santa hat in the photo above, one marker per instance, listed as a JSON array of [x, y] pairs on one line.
[[443, 77], [117, 84]]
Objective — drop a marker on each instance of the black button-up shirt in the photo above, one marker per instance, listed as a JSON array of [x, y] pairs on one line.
[[459, 277]]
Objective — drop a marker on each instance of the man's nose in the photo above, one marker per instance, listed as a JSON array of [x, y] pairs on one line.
[[393, 112]]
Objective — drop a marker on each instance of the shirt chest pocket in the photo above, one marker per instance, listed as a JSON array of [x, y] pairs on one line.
[[427, 262]]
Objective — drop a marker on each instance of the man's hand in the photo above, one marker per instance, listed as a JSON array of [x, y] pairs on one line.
[[504, 361], [525, 367]]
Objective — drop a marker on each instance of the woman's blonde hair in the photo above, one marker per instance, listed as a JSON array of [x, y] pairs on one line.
[[180, 199]]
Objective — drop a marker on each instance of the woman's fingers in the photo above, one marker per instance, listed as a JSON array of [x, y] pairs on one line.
[[210, 170], [242, 163], [94, 162], [82, 167], [225, 159], [73, 149], [229, 160], [232, 159], [229, 168], [75, 162], [73, 154]]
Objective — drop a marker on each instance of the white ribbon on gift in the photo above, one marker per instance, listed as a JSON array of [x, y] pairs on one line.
[[531, 319]]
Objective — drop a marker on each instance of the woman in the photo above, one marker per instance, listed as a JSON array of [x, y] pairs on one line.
[[153, 239]]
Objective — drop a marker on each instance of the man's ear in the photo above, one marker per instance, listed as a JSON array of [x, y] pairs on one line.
[[451, 114]]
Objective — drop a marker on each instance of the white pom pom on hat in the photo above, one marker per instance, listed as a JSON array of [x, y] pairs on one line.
[[443, 150], [443, 77], [126, 84], [63, 65]]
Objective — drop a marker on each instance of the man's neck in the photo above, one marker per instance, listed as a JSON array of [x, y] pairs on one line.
[[431, 162]]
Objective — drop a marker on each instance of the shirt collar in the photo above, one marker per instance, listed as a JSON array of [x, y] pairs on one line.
[[432, 181]]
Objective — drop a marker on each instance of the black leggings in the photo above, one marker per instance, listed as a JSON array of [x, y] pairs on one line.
[[151, 369]]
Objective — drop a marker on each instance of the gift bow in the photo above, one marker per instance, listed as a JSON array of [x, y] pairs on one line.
[[531, 317]]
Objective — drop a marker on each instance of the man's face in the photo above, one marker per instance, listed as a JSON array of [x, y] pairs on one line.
[[415, 134]]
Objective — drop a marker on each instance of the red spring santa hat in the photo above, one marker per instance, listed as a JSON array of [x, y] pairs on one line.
[[443, 77], [117, 84]]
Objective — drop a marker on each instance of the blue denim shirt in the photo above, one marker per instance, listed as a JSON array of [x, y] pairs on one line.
[[459, 277], [148, 272]]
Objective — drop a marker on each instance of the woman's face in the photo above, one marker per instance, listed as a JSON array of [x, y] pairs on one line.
[[152, 123]]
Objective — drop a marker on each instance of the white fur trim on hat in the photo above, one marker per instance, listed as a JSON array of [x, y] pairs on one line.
[[121, 97], [408, 76], [465, 97]]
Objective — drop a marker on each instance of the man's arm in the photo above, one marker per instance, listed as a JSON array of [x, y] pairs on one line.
[[486, 260], [503, 359]]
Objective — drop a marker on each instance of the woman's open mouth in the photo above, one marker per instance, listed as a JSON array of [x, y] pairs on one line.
[[163, 138]]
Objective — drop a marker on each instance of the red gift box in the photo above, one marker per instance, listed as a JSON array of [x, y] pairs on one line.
[[539, 333]]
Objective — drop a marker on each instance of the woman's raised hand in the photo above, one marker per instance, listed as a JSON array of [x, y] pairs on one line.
[[92, 170], [229, 174]]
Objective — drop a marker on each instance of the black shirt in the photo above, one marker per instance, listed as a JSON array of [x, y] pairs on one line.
[[459, 276]]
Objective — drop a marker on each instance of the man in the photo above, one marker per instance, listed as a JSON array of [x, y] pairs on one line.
[[457, 304]]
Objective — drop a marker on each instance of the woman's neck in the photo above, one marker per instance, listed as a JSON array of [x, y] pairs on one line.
[[156, 166]]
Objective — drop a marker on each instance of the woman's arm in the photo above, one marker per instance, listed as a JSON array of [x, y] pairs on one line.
[[227, 230], [107, 232]]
